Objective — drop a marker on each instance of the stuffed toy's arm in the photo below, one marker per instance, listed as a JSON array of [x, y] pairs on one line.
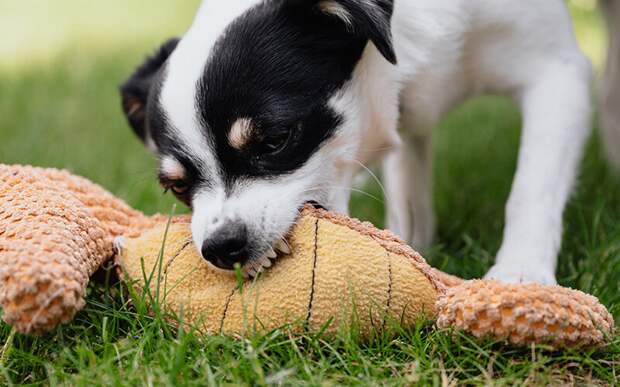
[[56, 230]]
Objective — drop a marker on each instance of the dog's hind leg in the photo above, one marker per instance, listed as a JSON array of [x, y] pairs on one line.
[[409, 184], [557, 121], [610, 88]]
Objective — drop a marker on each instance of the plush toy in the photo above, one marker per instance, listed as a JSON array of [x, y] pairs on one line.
[[57, 229]]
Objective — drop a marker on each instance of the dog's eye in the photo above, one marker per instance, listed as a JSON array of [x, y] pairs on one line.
[[178, 187], [275, 143]]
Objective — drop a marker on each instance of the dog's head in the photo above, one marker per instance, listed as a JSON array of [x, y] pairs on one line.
[[242, 113]]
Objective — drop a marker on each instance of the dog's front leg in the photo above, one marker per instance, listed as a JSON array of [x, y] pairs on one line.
[[610, 88], [556, 113], [408, 174]]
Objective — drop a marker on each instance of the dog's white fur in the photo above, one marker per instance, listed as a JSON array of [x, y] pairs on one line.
[[610, 87], [448, 51]]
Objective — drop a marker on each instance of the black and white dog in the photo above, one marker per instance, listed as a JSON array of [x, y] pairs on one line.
[[265, 105]]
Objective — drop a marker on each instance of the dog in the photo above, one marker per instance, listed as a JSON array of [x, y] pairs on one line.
[[265, 105]]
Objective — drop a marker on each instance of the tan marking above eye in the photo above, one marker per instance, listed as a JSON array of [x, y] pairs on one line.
[[240, 133], [171, 168]]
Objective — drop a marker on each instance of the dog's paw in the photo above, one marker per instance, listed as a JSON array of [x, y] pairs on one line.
[[521, 273]]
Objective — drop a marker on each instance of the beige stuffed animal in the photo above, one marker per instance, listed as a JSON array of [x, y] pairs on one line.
[[57, 229]]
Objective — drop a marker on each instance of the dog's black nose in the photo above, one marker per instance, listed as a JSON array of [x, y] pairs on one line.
[[228, 246]]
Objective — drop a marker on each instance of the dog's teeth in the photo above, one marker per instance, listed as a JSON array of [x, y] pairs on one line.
[[271, 253], [257, 266], [283, 247], [250, 272], [265, 262], [249, 269], [262, 263]]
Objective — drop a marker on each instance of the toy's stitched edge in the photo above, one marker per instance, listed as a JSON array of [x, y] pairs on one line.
[[178, 253], [387, 239], [389, 291], [314, 262]]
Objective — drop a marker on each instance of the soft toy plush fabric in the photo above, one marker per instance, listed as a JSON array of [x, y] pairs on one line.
[[57, 229], [338, 269], [342, 271]]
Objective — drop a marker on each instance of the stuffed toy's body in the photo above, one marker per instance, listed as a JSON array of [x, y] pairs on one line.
[[338, 270], [343, 272], [57, 229]]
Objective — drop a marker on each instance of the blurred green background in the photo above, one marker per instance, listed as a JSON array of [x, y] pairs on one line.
[[61, 63], [60, 66]]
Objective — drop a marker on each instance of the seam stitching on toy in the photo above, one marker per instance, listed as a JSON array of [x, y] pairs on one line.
[[185, 246], [225, 312], [390, 281], [385, 241], [314, 261]]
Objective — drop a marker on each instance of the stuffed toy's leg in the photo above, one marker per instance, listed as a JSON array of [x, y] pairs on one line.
[[56, 230], [524, 314]]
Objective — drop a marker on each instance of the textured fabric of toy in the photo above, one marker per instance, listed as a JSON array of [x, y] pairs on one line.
[[340, 270], [526, 313], [56, 230], [340, 267]]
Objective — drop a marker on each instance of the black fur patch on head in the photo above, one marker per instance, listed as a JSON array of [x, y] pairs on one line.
[[135, 92], [278, 65]]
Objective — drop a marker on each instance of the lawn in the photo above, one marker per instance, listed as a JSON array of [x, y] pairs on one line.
[[60, 64]]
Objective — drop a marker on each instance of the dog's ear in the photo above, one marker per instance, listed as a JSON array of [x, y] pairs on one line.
[[369, 18], [135, 91]]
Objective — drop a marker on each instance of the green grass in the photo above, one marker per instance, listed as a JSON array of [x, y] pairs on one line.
[[59, 107]]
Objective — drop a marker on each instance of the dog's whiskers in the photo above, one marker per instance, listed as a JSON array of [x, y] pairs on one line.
[[373, 175], [342, 188]]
